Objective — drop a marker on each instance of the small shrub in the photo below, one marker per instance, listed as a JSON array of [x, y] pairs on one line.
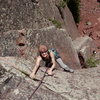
[[91, 62], [66, 1], [56, 23], [62, 4]]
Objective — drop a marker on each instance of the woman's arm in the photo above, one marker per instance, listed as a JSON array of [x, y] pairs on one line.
[[53, 63], [53, 60], [32, 75]]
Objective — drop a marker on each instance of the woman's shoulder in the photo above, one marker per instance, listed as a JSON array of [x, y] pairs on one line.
[[51, 53], [39, 58]]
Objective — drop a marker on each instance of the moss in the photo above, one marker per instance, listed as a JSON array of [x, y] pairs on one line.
[[91, 62], [66, 1], [62, 4], [56, 23]]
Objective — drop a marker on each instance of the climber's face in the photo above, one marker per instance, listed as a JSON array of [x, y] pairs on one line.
[[44, 54]]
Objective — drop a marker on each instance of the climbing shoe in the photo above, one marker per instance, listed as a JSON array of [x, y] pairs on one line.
[[70, 70]]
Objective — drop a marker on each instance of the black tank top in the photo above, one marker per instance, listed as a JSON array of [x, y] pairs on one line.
[[47, 60]]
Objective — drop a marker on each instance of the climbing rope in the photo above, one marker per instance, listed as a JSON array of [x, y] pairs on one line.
[[38, 84], [28, 76]]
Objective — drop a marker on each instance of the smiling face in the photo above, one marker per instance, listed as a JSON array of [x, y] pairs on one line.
[[44, 54], [43, 51]]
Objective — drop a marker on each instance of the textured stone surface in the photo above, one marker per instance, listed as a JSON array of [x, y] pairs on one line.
[[8, 44], [85, 46], [16, 88], [30, 14], [56, 38], [50, 36], [83, 84], [19, 50], [70, 25]]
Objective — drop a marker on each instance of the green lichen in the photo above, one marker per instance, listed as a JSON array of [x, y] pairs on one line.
[[62, 4], [56, 23], [91, 62]]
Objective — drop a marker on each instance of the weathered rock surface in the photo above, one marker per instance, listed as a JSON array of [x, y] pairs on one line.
[[85, 46], [18, 51], [68, 20], [13, 87], [29, 42], [82, 85], [34, 14], [8, 43]]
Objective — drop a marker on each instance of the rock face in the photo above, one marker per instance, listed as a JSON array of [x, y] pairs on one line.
[[34, 14], [15, 45], [85, 46], [8, 44], [15, 85], [37, 18], [38, 21]]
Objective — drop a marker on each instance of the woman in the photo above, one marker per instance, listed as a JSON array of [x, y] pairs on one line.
[[50, 57]]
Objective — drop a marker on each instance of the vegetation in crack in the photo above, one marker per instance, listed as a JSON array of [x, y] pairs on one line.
[[62, 4], [92, 62], [56, 23]]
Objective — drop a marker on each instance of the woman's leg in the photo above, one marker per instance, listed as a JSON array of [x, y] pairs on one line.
[[64, 66]]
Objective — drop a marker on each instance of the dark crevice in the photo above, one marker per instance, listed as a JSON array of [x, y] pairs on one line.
[[34, 1], [22, 34], [98, 1], [21, 44], [2, 70], [82, 61], [74, 6], [5, 82], [8, 79], [61, 13]]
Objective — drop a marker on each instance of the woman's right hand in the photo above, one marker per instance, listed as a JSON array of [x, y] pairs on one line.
[[49, 71]]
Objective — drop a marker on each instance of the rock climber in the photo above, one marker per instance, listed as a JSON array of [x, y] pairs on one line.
[[50, 57]]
